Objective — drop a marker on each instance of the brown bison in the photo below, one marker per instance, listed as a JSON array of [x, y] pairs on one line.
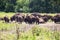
[[27, 19], [30, 19], [46, 17], [6, 19], [17, 18], [56, 18], [13, 18]]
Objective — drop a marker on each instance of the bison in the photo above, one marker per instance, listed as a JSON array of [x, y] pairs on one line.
[[27, 19], [6, 19], [13, 18], [17, 18], [56, 18], [46, 17]]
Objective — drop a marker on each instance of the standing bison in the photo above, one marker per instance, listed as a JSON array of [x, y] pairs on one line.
[[27, 19], [56, 18], [17, 18], [13, 18], [6, 19], [46, 17]]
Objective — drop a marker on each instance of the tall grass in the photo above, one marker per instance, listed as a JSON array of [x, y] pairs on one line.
[[36, 33]]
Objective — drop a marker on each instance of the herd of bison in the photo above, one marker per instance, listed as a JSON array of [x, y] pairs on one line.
[[31, 18]]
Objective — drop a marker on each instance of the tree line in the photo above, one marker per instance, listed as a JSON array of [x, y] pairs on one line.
[[42, 6]]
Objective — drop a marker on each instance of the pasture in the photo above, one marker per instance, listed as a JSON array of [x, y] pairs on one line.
[[15, 31]]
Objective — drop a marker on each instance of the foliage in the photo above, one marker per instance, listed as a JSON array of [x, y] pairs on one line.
[[42, 6]]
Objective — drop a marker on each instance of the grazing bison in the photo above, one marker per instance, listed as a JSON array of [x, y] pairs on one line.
[[46, 17], [17, 18], [56, 18], [33, 19], [30, 19], [6, 19], [27, 19], [13, 18]]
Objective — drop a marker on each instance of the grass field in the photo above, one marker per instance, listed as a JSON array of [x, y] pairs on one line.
[[2, 14], [9, 31], [35, 33]]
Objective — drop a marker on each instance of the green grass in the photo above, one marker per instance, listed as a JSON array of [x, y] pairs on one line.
[[36, 33], [6, 25], [2, 14]]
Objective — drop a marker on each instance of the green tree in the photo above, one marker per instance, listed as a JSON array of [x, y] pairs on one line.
[[22, 6], [10, 5], [37, 5], [48, 6], [2, 5]]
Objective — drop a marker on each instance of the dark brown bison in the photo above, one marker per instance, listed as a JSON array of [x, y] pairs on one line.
[[17, 18], [33, 19], [27, 19], [30, 19], [46, 17], [6, 19], [13, 18], [56, 18]]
